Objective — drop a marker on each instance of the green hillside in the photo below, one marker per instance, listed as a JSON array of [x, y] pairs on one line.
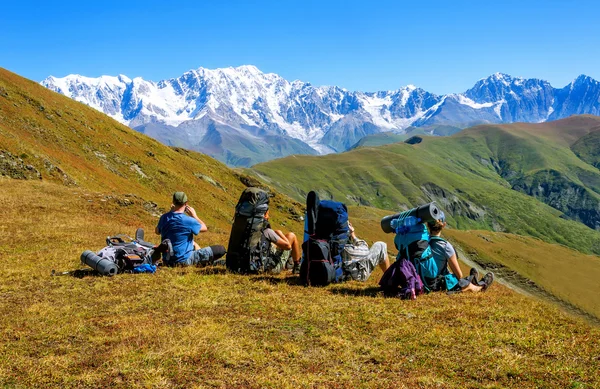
[[385, 138], [70, 176], [482, 177]]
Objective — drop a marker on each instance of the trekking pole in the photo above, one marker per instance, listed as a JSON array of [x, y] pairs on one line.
[[62, 273]]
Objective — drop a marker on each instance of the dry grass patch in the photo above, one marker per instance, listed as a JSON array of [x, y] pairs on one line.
[[202, 327]]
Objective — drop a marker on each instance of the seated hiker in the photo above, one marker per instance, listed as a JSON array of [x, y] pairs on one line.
[[445, 255], [359, 261], [282, 246], [179, 226]]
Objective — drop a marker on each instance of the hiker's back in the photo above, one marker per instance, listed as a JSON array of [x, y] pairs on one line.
[[248, 247], [180, 230]]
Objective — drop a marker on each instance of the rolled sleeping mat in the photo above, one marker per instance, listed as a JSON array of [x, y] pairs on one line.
[[101, 265], [426, 212]]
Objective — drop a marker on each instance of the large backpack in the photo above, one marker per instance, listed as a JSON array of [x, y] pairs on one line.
[[248, 248], [412, 242], [328, 233], [445, 280]]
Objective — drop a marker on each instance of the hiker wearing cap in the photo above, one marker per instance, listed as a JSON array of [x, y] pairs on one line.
[[359, 260], [445, 256], [180, 225]]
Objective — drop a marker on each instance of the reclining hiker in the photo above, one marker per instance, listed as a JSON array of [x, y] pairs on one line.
[[180, 225], [359, 261], [254, 246], [445, 255]]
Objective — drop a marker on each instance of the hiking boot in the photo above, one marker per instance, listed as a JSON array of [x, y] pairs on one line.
[[139, 234], [296, 269], [487, 280], [289, 265], [219, 262], [474, 276]]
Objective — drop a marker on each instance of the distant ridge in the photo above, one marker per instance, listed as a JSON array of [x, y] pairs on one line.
[[243, 116]]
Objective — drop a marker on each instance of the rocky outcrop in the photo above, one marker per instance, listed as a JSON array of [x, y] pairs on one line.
[[553, 188]]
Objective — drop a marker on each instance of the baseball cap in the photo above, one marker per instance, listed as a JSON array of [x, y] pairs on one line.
[[179, 198]]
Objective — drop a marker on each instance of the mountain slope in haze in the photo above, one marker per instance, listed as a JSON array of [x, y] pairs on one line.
[[494, 177], [243, 116]]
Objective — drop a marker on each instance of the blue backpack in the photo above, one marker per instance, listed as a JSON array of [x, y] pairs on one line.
[[412, 242], [328, 233]]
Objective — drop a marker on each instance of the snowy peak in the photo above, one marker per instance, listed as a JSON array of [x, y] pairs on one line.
[[257, 105]]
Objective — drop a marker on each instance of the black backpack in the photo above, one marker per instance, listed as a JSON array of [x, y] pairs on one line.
[[248, 248], [327, 223]]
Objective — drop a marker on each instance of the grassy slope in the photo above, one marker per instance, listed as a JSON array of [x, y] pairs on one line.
[[204, 328], [459, 173], [67, 142], [385, 138]]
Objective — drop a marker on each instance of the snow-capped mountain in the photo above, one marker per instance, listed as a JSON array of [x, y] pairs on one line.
[[243, 116]]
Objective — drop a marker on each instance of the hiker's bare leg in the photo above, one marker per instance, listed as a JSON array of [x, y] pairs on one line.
[[291, 237], [471, 288], [385, 264], [196, 246]]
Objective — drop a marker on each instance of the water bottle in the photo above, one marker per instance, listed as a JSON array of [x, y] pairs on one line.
[[401, 226]]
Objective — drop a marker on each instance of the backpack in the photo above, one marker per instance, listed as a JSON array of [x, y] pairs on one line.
[[328, 233], [412, 242], [124, 254], [248, 248], [401, 280], [445, 280]]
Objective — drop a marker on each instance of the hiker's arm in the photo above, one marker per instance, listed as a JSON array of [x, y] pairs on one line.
[[355, 240], [453, 263], [283, 242], [192, 212]]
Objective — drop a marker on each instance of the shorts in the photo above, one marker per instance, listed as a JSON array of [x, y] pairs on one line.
[[360, 269], [276, 259]]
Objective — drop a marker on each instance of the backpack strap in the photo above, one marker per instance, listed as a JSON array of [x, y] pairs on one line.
[[437, 239]]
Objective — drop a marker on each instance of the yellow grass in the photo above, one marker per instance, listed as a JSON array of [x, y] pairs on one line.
[[209, 329]]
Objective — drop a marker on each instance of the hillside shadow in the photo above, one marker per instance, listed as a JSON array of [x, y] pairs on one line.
[[293, 281], [371, 291], [211, 270], [79, 273]]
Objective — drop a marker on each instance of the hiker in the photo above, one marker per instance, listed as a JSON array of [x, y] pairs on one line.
[[359, 261], [282, 247], [445, 255], [180, 225], [254, 247]]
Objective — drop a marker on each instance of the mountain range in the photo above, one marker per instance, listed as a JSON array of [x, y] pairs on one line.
[[243, 116]]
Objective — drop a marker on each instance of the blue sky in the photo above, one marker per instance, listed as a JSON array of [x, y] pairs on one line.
[[441, 46]]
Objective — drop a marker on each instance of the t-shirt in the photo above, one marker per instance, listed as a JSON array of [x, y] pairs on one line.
[[442, 251], [180, 229], [270, 235]]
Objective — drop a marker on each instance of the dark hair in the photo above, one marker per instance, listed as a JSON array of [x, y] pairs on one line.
[[436, 226]]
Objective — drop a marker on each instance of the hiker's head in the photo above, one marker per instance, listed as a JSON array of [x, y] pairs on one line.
[[436, 226], [179, 199]]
